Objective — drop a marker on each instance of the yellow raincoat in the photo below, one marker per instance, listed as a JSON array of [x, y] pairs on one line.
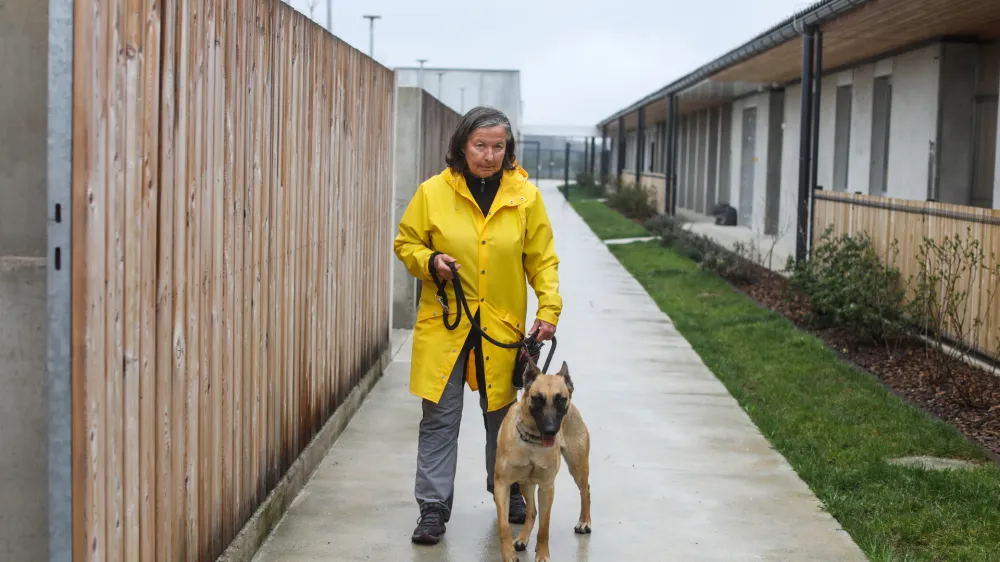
[[497, 253]]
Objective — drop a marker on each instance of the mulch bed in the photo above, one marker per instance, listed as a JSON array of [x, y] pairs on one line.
[[962, 395]]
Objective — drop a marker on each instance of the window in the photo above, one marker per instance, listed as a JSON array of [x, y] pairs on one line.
[[881, 117]]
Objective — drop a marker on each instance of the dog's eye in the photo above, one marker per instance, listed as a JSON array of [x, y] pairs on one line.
[[537, 400], [559, 399]]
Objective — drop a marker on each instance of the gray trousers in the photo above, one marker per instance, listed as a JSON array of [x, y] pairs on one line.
[[437, 446]]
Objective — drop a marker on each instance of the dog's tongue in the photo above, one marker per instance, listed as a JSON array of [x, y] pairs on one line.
[[548, 440]]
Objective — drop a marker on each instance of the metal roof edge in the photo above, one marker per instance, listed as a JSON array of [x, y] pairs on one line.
[[819, 13]]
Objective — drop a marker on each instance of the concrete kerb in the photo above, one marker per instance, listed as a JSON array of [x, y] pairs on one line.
[[257, 530]]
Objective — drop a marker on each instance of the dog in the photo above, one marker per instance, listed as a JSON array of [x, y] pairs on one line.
[[539, 431]]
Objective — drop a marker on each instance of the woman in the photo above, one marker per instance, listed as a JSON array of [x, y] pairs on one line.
[[482, 215]]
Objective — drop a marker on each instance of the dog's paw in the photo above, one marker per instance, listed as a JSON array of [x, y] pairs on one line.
[[520, 545], [582, 528]]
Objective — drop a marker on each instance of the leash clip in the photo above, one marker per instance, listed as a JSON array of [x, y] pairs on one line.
[[444, 306]]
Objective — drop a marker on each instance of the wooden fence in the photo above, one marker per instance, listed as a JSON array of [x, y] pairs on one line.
[[907, 223], [231, 253]]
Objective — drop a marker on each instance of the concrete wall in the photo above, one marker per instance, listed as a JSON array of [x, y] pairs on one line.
[[914, 126], [462, 89], [423, 128], [23, 315]]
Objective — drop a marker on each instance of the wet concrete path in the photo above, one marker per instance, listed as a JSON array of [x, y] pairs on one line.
[[678, 470]]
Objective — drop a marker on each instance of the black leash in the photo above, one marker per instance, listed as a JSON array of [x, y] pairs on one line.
[[530, 346]]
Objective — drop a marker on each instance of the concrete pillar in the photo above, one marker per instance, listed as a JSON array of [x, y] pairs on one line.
[[24, 405], [407, 176]]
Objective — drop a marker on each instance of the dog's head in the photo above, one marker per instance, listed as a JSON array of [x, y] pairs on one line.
[[547, 399]]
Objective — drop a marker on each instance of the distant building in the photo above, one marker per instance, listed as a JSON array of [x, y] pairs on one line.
[[464, 88]]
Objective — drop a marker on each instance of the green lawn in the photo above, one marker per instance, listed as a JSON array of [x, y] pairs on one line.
[[607, 223], [834, 424]]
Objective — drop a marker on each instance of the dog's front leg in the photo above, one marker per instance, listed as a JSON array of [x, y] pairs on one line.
[[501, 496], [545, 496], [529, 522]]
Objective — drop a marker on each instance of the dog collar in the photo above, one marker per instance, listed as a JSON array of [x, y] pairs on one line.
[[527, 436]]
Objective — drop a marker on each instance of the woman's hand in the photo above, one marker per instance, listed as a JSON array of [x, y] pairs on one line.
[[441, 262], [543, 330]]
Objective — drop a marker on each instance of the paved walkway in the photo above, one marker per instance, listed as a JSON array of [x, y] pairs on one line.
[[678, 471]]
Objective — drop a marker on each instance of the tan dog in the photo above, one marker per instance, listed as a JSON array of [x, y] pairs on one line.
[[540, 430]]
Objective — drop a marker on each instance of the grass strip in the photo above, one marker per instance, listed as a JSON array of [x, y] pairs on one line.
[[836, 425], [607, 223]]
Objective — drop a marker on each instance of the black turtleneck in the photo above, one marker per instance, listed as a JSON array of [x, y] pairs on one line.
[[484, 190]]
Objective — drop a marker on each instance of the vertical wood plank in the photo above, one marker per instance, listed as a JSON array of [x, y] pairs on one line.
[[218, 386], [131, 272], [114, 289], [235, 180], [181, 343], [165, 543], [90, 99], [150, 396], [195, 336]]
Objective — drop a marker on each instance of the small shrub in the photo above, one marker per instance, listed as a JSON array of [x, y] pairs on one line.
[[851, 287], [728, 265], [695, 247], [660, 224], [587, 188], [632, 201]]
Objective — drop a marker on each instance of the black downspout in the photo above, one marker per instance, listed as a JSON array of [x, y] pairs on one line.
[[538, 151], [817, 90], [593, 152], [668, 156], [640, 133], [674, 147], [604, 152], [586, 154], [805, 150], [566, 173], [621, 147]]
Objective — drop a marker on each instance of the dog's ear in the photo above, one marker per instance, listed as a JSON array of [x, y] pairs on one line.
[[564, 373], [531, 373]]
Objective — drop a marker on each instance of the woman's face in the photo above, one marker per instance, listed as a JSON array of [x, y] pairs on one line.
[[485, 149]]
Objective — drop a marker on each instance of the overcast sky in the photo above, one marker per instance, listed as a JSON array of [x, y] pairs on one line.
[[580, 60]]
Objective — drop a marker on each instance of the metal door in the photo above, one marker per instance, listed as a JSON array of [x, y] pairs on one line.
[[748, 158], [984, 151]]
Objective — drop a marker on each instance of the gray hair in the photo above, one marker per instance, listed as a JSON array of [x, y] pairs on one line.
[[478, 118]]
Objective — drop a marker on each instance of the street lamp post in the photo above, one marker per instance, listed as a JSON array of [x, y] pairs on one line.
[[371, 34], [420, 73], [329, 15]]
